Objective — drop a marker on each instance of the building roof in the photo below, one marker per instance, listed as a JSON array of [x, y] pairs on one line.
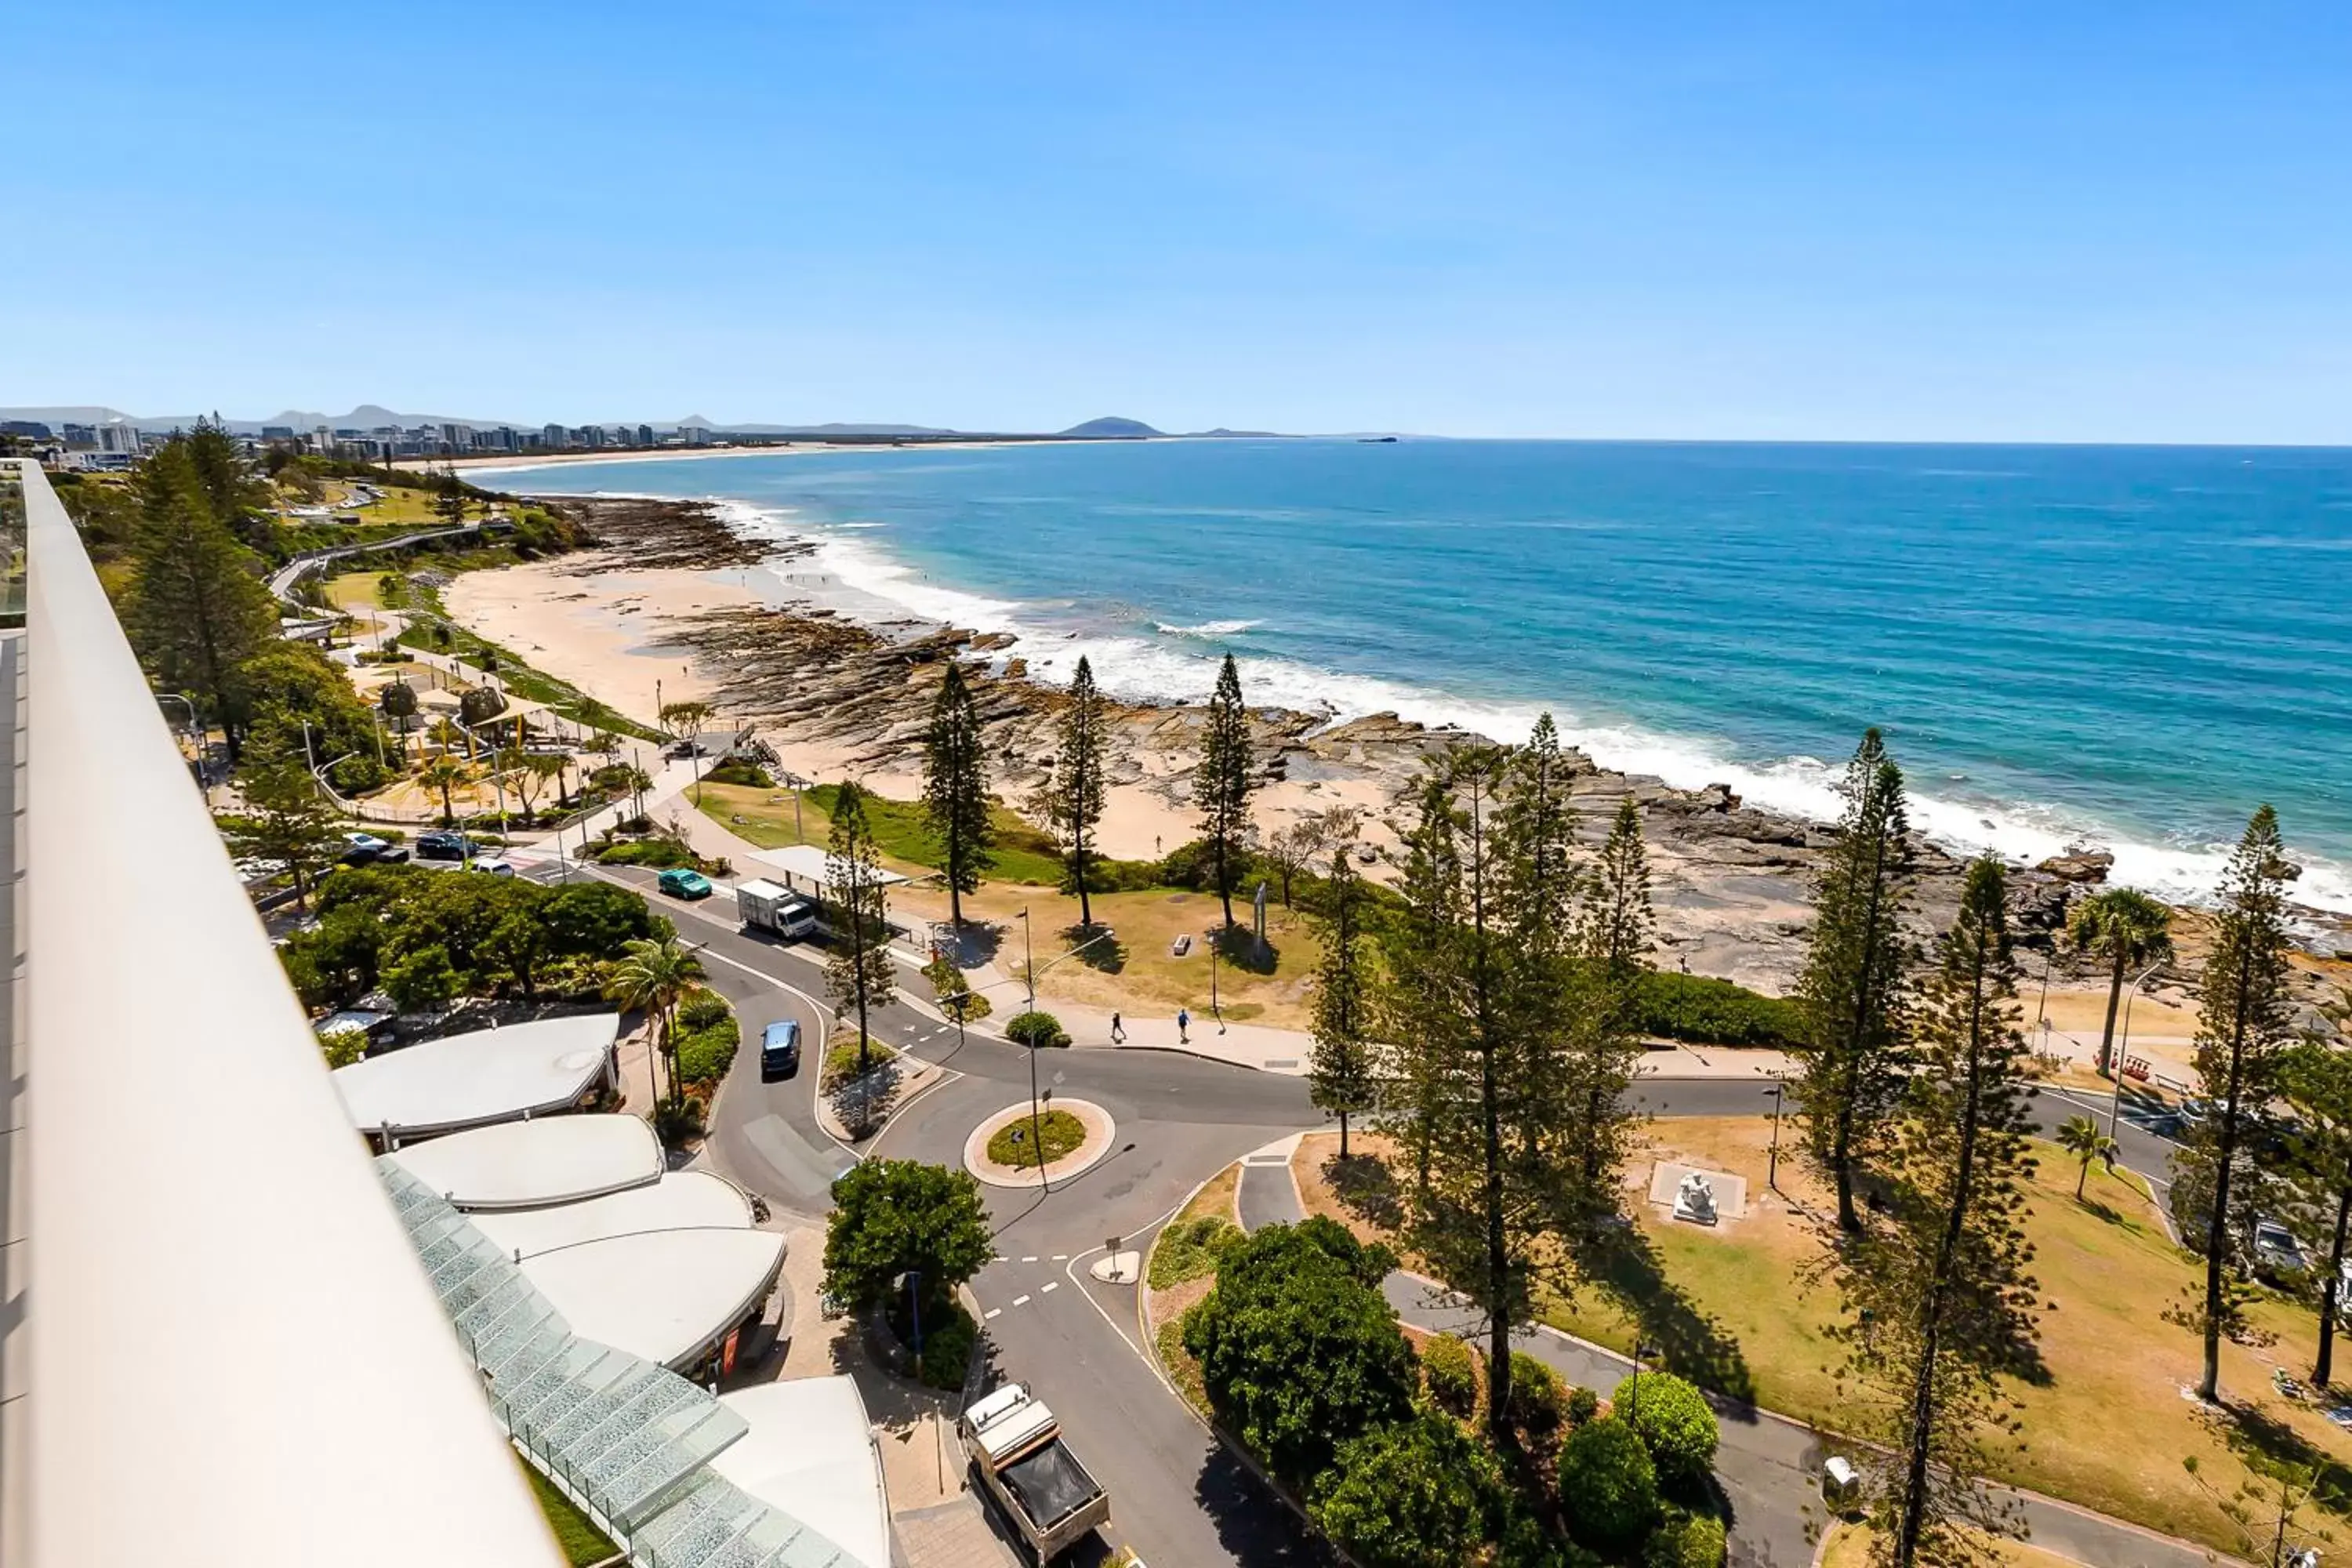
[[528, 1164], [475, 1078], [667, 1295], [682, 1200], [809, 1452], [806, 862]]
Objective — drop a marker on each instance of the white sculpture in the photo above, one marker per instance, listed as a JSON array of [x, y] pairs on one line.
[[1694, 1198]]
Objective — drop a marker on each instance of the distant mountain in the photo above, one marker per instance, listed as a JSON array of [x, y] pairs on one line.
[[1111, 425], [1221, 433]]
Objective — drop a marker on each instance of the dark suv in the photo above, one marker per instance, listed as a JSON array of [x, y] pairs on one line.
[[444, 845]]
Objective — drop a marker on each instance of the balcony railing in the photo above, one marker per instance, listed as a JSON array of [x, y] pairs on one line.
[[227, 1354]]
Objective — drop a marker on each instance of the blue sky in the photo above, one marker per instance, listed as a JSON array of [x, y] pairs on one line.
[[2091, 222]]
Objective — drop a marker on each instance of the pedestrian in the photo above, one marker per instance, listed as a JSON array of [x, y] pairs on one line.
[[1183, 1022], [1117, 1031]]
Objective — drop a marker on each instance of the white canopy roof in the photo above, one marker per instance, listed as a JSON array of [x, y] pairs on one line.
[[666, 1295], [810, 1453], [527, 1164], [803, 866], [682, 1200], [472, 1079]]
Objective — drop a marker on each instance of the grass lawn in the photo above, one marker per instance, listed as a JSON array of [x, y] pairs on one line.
[[767, 818], [1057, 1133], [1737, 1308], [1849, 1547], [841, 1058], [575, 1534], [354, 592]]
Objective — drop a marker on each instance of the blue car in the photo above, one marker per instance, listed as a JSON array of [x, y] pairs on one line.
[[682, 882], [780, 1049]]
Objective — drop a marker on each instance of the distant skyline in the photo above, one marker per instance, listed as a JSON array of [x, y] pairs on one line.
[[1999, 223]]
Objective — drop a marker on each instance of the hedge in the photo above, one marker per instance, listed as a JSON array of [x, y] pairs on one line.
[[1450, 1369], [1715, 1012]]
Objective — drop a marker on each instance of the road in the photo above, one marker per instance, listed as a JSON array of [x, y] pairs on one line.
[[1176, 1496], [282, 580]]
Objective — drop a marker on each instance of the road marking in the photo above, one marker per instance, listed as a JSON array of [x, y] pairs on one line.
[[1031, 1258], [989, 1313], [1051, 1286], [1020, 1300], [1061, 1257]]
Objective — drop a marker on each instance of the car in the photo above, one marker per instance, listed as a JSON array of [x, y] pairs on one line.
[[780, 1049], [2277, 1253], [684, 882], [361, 848], [492, 866], [444, 845]]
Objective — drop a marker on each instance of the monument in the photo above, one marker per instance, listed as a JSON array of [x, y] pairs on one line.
[[1694, 1198]]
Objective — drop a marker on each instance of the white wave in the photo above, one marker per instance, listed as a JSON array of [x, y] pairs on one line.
[[1205, 630], [1156, 670]]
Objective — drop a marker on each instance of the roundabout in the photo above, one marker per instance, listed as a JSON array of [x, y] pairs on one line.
[[1077, 1132]]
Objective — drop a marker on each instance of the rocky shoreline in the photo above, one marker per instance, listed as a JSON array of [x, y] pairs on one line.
[[1732, 883]]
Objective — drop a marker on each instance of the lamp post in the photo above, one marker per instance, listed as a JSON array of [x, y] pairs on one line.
[[1772, 1166], [1215, 1011], [1633, 1390], [2116, 1106]]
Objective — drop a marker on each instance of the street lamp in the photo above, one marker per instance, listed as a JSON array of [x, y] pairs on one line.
[[1772, 1167], [2116, 1106], [1633, 1391]]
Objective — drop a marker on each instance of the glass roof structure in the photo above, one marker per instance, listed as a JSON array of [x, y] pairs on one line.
[[631, 1441]]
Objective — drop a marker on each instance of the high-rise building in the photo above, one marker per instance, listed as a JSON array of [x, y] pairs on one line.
[[644, 435], [554, 436]]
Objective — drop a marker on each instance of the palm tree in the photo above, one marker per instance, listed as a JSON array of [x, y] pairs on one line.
[[2127, 928], [444, 772], [651, 976], [2080, 1136]]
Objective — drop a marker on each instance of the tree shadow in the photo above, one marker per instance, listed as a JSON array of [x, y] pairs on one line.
[[1253, 1524], [971, 944], [1096, 946], [1625, 1263], [1367, 1189], [2264, 1441], [863, 1103], [1239, 947]]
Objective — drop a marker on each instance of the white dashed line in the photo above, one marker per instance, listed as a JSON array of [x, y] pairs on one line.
[[1061, 1257], [1051, 1286], [1020, 1300], [991, 1312], [1031, 1258]]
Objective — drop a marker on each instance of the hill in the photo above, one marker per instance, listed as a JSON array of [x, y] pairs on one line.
[[1111, 427]]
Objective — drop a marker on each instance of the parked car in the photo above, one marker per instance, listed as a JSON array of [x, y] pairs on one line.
[[444, 845], [780, 1049], [684, 882], [493, 866], [2277, 1253], [360, 848]]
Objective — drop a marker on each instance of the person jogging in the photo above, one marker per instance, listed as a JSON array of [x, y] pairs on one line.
[[1183, 1022]]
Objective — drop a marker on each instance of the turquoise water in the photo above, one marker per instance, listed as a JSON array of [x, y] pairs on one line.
[[2130, 647]]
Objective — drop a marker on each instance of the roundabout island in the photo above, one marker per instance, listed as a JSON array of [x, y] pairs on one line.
[[1002, 1151]]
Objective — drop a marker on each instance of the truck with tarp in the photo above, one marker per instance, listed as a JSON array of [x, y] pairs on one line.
[[1015, 1443]]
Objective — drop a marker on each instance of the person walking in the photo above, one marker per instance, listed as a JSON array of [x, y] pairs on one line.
[[1183, 1022], [1117, 1031]]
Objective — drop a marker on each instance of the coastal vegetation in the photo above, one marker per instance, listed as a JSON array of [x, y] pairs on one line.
[[857, 965], [955, 792]]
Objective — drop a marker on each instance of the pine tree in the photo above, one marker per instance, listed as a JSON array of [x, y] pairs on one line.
[[1341, 1075], [1478, 1019], [1852, 990], [1542, 830], [2240, 1029], [857, 974], [1222, 785], [955, 790], [1075, 797], [2317, 1081], [287, 819], [1938, 1300], [196, 608], [1615, 936]]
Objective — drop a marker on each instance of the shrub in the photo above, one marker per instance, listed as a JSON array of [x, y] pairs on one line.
[[1608, 1488], [947, 1351], [343, 1046], [1450, 1369], [1299, 1351], [738, 770], [1535, 1394], [1675, 1425], [1414, 1495], [1582, 1404], [676, 1122], [1058, 1130], [702, 1009], [1192, 1247], [947, 981], [705, 1055], [1035, 1028], [424, 979], [890, 1215], [1684, 1540], [1715, 1012]]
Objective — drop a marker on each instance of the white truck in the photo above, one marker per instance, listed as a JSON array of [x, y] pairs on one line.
[[1047, 1496], [763, 905]]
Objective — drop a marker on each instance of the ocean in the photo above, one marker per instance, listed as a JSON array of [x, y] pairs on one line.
[[2122, 647]]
